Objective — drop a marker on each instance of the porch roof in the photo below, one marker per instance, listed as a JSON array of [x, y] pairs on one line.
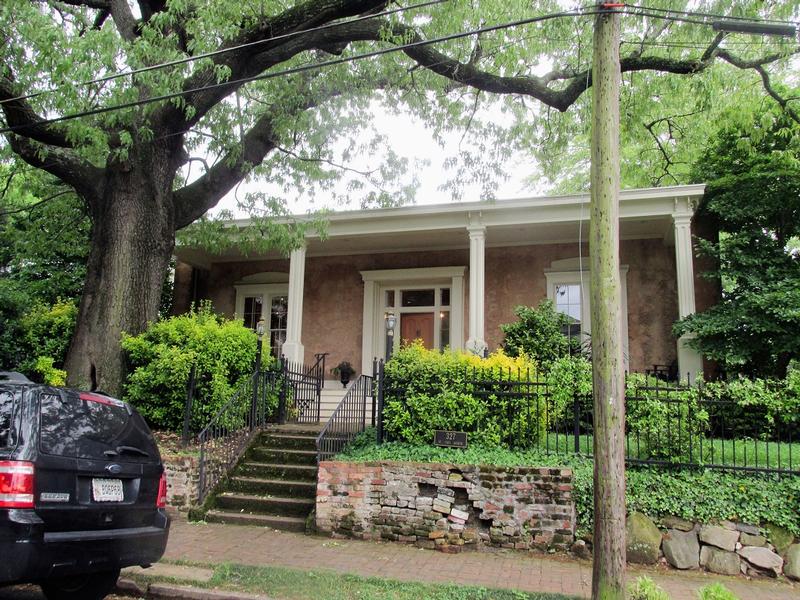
[[644, 213]]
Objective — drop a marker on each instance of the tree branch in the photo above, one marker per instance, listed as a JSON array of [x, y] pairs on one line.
[[18, 113], [256, 59], [194, 199], [99, 4], [124, 19], [35, 205], [64, 164], [783, 102]]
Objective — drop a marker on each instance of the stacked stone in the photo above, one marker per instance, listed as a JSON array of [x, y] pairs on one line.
[[727, 548], [446, 506], [183, 477]]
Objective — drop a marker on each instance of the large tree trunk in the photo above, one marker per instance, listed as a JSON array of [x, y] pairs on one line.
[[133, 236]]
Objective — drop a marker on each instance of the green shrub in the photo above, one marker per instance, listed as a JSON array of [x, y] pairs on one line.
[[645, 588], [567, 377], [35, 340], [427, 390], [754, 408], [539, 334], [716, 591], [222, 350], [661, 419], [48, 374]]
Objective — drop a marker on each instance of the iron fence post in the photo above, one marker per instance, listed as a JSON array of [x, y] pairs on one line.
[[372, 388], [201, 480], [576, 421], [282, 393]]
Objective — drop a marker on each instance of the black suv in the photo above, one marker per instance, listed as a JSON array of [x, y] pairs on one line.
[[82, 490]]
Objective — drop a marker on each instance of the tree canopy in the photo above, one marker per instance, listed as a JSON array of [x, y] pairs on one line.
[[753, 193], [275, 90]]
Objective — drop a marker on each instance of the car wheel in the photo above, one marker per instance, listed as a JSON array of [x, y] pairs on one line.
[[92, 586]]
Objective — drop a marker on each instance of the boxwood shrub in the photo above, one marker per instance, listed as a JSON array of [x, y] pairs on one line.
[[427, 390], [222, 350]]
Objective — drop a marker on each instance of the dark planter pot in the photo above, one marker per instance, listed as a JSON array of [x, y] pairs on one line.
[[344, 377]]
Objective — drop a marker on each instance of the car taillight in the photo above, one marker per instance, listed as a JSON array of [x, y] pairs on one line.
[[161, 499], [16, 484]]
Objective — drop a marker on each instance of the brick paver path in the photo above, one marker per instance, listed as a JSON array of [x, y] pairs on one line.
[[250, 545]]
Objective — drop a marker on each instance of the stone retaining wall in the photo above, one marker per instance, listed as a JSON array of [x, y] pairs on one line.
[[726, 548], [183, 477], [447, 506]]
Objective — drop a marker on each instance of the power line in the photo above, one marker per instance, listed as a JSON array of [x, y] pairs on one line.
[[300, 69], [213, 53], [710, 15]]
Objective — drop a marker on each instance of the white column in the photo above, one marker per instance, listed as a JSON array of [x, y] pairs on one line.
[[293, 347], [477, 266], [690, 362], [368, 347]]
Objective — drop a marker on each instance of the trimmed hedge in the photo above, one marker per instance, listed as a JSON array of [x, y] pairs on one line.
[[222, 350], [427, 390]]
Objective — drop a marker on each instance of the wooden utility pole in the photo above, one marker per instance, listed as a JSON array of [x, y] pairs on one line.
[[608, 574]]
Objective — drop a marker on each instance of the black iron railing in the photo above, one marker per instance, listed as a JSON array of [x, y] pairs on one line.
[[229, 432], [351, 417], [300, 397], [666, 423]]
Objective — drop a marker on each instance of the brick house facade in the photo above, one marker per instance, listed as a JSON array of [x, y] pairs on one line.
[[454, 273]]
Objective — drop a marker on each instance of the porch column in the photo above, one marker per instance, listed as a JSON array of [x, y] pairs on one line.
[[293, 347], [477, 248], [690, 362]]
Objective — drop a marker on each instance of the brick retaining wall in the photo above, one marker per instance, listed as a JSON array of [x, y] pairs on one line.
[[447, 506], [183, 476]]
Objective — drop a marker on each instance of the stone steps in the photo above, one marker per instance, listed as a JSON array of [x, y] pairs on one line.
[[265, 505], [274, 487], [275, 484], [278, 471], [273, 522]]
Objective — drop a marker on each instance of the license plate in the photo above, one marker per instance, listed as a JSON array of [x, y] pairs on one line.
[[107, 490]]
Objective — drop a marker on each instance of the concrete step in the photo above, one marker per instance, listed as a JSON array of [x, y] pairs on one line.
[[287, 441], [267, 470], [264, 505], [283, 456], [273, 522], [273, 487]]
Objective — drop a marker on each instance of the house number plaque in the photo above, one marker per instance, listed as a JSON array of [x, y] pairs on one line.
[[451, 439]]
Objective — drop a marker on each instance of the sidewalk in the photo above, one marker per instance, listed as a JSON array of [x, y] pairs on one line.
[[213, 543]]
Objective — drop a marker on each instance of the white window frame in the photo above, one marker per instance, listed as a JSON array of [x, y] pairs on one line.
[[267, 291], [581, 277]]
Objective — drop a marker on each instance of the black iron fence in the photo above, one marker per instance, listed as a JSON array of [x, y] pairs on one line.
[[666, 423], [289, 392], [302, 390], [229, 432], [355, 412]]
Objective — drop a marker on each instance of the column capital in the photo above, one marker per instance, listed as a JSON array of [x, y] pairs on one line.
[[476, 231], [682, 219]]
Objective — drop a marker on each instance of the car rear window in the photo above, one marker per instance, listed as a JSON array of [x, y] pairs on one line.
[[83, 425], [8, 411]]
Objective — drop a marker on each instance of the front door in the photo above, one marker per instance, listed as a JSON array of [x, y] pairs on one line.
[[415, 326]]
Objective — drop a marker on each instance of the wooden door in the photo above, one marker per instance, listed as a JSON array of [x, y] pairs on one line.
[[414, 326]]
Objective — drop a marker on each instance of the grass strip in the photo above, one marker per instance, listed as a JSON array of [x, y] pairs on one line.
[[294, 584]]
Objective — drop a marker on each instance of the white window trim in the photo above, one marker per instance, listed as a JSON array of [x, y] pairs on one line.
[[376, 283], [582, 277], [267, 291]]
